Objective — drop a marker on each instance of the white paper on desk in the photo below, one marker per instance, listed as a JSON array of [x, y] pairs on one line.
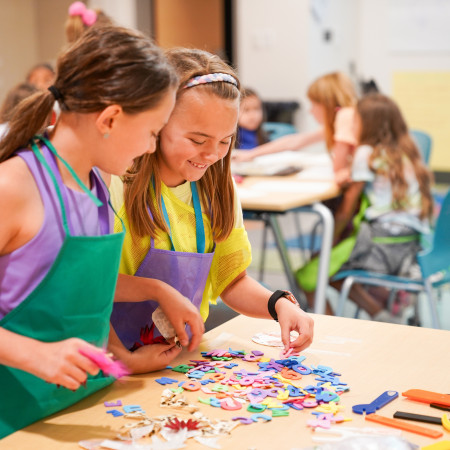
[[316, 173], [309, 187], [248, 194]]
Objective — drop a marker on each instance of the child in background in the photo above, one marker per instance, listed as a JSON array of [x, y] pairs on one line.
[[58, 257], [388, 169], [250, 133], [332, 99], [13, 98], [41, 75], [81, 19], [185, 189]]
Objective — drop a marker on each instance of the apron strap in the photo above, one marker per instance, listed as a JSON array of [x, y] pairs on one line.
[[86, 190], [199, 226], [97, 172], [42, 160]]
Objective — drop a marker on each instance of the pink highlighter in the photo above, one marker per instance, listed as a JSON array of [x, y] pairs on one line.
[[108, 366]]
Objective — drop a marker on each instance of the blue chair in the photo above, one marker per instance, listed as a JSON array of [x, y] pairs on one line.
[[424, 142], [276, 130], [434, 263]]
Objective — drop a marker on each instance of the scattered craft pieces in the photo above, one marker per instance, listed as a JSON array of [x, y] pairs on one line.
[[109, 404], [272, 339], [446, 422], [177, 424], [114, 412]]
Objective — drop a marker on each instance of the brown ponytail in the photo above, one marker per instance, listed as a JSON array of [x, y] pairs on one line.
[[106, 66]]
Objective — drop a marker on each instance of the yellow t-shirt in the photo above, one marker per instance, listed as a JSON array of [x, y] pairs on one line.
[[232, 256]]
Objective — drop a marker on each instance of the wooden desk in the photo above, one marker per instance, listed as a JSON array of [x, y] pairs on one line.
[[267, 197], [372, 358]]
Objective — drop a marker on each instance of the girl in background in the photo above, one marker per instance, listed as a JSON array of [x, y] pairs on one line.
[[81, 19], [388, 169], [185, 189], [58, 256], [332, 99], [251, 115]]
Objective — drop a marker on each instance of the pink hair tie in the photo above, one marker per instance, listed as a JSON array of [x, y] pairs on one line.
[[88, 16], [77, 9]]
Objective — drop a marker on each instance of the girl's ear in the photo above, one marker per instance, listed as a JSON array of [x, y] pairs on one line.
[[107, 119]]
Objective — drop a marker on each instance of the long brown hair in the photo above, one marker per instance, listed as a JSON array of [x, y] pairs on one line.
[[384, 129], [332, 91], [106, 66], [216, 186], [13, 98]]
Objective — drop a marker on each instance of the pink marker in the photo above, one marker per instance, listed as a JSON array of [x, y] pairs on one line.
[[108, 366]]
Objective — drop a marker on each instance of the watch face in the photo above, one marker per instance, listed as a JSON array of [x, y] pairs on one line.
[[291, 298]]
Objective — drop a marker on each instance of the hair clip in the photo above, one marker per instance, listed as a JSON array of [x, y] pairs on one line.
[[88, 16]]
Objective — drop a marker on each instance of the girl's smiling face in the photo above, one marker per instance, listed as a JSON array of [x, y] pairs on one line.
[[198, 134]]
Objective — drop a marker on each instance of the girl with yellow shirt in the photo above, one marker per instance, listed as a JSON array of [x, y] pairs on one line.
[[184, 225]]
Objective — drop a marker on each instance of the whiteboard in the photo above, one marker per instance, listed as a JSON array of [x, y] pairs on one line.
[[419, 25]]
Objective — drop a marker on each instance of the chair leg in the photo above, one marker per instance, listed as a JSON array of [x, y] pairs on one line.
[[391, 299], [432, 304], [345, 291], [263, 252]]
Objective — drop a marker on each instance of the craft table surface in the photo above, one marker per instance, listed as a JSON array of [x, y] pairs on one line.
[[372, 358], [282, 200]]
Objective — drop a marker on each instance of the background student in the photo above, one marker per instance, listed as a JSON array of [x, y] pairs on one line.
[[81, 18], [185, 189], [58, 257], [41, 75], [332, 99], [13, 98], [389, 170], [250, 133]]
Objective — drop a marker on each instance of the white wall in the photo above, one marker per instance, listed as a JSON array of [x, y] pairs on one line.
[[375, 57], [271, 47]]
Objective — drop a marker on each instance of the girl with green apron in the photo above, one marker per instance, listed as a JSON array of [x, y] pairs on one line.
[[58, 256]]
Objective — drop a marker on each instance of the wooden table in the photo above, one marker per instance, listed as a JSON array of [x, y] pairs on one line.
[[268, 197], [372, 358]]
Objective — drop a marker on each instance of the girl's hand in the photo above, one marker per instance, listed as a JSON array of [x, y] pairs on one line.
[[242, 155], [180, 311], [150, 358], [292, 318], [62, 363]]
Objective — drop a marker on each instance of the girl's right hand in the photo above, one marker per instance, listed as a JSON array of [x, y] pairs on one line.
[[62, 363], [180, 311], [153, 357]]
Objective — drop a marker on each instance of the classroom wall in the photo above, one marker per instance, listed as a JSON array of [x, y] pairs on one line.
[[18, 51], [270, 48], [415, 52]]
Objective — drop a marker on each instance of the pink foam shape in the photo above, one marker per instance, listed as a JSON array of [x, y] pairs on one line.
[[108, 366]]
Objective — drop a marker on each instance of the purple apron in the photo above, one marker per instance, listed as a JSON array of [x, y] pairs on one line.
[[186, 272]]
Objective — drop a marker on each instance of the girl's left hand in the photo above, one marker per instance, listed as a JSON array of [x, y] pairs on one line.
[[292, 318]]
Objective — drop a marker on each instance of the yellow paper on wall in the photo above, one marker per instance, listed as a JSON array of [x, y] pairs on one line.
[[424, 98]]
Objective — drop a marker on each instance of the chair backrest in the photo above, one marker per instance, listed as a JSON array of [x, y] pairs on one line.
[[437, 258], [275, 130], [424, 142]]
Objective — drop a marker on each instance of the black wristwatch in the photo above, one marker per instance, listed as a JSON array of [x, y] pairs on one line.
[[275, 297]]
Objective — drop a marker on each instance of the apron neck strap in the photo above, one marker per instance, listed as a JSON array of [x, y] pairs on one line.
[[199, 227], [42, 160], [86, 190]]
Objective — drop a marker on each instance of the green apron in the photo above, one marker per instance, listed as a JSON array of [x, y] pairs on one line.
[[340, 253], [74, 299]]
